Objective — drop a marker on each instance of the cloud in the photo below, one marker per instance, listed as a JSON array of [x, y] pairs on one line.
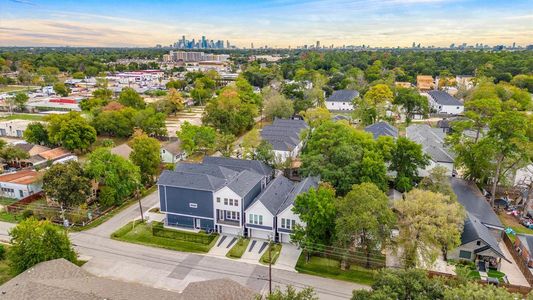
[[26, 2]]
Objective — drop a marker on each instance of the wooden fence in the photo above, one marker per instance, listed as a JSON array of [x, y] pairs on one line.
[[512, 288], [520, 261], [14, 207]]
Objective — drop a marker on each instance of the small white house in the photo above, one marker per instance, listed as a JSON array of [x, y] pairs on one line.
[[342, 100], [171, 152], [13, 128], [443, 103], [20, 184]]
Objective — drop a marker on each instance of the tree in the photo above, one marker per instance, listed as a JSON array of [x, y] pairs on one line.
[[228, 114], [348, 157], [412, 102], [13, 154], [407, 157], [316, 116], [364, 219], [265, 153], [472, 290], [115, 172], [151, 122], [224, 144], [196, 138], [103, 93], [276, 105], [67, 184], [129, 97], [176, 99], [290, 293], [428, 223], [176, 84], [36, 133], [316, 208], [203, 89], [120, 123], [71, 131], [145, 155], [20, 100], [508, 134], [371, 108], [523, 81], [35, 241], [61, 89], [400, 284], [438, 182]]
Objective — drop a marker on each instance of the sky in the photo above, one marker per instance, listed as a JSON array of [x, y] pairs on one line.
[[276, 23]]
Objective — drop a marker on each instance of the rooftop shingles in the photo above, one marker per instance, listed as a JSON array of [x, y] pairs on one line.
[[443, 98], [343, 96]]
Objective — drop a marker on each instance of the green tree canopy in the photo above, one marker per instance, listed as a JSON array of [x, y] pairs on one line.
[[364, 219], [115, 172], [35, 241], [145, 155], [196, 138], [129, 97], [348, 157], [67, 184], [276, 105], [20, 100], [36, 133], [407, 157], [412, 102], [61, 89], [71, 131]]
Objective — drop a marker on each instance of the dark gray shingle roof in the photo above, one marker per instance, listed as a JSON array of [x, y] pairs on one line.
[[191, 180], [213, 170], [239, 164], [301, 187], [283, 134], [443, 98], [474, 202], [275, 194], [474, 230], [432, 141], [343, 96], [382, 129], [244, 182]]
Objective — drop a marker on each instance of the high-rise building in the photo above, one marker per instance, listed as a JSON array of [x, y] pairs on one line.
[[317, 44]]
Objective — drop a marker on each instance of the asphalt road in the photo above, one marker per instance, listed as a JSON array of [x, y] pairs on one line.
[[174, 270]]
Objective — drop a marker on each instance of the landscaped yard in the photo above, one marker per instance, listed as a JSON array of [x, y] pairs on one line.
[[141, 233], [27, 117], [496, 274], [5, 271], [330, 268], [276, 249], [238, 249], [511, 221]]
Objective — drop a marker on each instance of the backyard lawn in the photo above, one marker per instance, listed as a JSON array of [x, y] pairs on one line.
[[141, 233], [330, 268], [238, 249], [511, 221]]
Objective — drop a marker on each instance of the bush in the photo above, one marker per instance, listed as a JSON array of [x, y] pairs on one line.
[[107, 197], [200, 238], [27, 213], [2, 252]]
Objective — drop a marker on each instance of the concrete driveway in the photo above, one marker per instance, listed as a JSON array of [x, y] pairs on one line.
[[288, 257], [510, 269], [222, 246], [255, 250]]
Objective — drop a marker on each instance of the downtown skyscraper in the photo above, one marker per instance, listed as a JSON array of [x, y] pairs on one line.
[[203, 43]]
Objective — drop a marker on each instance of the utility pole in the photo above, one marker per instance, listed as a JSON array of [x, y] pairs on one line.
[[269, 265], [140, 207]]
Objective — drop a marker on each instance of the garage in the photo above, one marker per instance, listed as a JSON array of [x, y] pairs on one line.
[[230, 230], [259, 234], [284, 238]]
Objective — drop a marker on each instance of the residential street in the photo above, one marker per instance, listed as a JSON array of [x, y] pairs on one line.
[[174, 270]]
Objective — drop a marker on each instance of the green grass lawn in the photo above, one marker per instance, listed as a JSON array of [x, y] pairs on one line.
[[238, 249], [141, 233], [16, 88], [496, 274], [511, 221], [26, 117], [330, 268], [276, 249]]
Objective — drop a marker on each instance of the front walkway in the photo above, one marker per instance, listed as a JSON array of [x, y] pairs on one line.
[[222, 245], [288, 257], [514, 275]]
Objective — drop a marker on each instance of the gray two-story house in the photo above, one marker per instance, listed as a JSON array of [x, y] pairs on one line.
[[212, 195]]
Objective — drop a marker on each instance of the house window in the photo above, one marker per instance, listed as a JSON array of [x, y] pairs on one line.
[[218, 199], [282, 223], [231, 202], [236, 202], [465, 254], [260, 220], [193, 205], [164, 151], [256, 219], [293, 222], [478, 243], [225, 201], [21, 193], [251, 219]]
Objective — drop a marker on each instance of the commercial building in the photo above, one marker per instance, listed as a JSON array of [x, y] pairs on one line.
[[20, 184]]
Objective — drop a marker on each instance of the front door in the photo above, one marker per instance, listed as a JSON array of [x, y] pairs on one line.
[[197, 223]]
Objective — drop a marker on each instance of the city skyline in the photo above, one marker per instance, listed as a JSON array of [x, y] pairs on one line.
[[280, 23]]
